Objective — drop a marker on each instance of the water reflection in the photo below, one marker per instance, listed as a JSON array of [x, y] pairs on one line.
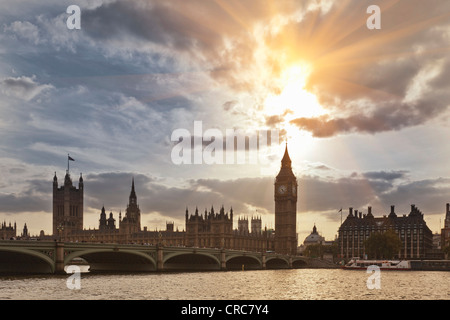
[[298, 284]]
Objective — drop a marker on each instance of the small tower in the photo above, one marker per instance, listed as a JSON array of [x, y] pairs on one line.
[[392, 213], [111, 222], [67, 206], [102, 221], [243, 225], [25, 233], [256, 225], [131, 223]]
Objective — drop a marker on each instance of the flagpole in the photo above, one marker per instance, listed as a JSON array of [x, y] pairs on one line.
[[68, 161]]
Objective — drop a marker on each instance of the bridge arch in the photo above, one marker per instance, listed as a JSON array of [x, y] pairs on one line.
[[299, 263], [18, 260], [114, 260], [191, 261], [246, 262], [277, 263]]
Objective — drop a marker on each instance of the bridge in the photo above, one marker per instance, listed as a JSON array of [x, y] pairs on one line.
[[54, 256]]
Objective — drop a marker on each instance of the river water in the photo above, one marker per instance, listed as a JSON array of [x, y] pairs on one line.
[[293, 284]]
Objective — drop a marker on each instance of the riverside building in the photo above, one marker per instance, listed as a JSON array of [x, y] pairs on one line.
[[412, 230]]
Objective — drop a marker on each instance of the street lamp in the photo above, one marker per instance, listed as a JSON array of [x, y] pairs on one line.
[[60, 229]]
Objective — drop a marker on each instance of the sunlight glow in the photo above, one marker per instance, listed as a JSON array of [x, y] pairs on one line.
[[294, 102]]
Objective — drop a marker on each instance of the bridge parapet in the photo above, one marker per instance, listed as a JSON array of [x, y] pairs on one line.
[[53, 257]]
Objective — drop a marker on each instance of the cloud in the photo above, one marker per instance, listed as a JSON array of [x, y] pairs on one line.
[[363, 78], [386, 116], [371, 82], [368, 81], [229, 105], [23, 87], [24, 30], [35, 197], [383, 175], [430, 195]]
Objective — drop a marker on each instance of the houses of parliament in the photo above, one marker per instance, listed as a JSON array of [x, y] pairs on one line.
[[210, 228]]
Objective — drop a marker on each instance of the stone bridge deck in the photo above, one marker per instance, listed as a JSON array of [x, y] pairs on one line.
[[53, 257]]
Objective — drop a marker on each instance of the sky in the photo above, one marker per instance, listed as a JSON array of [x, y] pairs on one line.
[[365, 112]]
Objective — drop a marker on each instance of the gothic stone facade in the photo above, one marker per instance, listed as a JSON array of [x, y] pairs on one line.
[[8, 231], [211, 229], [215, 230]]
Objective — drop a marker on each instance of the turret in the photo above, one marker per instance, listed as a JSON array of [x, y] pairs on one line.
[[67, 180], [102, 221], [350, 212], [369, 212], [133, 197], [55, 181], [286, 161], [447, 216], [111, 223], [392, 214]]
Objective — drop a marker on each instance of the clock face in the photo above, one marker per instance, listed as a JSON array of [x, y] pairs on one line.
[[282, 189], [294, 189]]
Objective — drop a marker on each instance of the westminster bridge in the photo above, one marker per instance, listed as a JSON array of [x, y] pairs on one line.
[[54, 256]]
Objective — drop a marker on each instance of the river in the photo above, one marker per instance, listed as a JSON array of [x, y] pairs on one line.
[[292, 284]]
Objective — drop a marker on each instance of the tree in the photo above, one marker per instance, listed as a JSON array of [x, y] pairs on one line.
[[446, 250], [314, 251], [383, 245]]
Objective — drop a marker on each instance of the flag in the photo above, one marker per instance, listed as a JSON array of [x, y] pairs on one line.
[[340, 210], [71, 159]]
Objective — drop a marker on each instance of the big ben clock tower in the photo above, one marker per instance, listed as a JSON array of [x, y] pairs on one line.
[[286, 208]]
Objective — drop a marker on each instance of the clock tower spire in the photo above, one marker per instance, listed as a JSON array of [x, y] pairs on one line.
[[286, 208]]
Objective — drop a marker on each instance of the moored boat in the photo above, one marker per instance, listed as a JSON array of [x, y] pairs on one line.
[[355, 264]]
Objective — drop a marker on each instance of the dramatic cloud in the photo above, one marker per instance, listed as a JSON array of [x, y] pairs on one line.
[[378, 81]]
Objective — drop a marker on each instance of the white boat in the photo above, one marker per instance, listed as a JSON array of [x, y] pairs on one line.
[[355, 264]]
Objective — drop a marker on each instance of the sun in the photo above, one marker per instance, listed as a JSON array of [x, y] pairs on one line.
[[293, 101]]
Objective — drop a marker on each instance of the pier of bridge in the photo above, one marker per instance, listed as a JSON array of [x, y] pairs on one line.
[[54, 256]]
